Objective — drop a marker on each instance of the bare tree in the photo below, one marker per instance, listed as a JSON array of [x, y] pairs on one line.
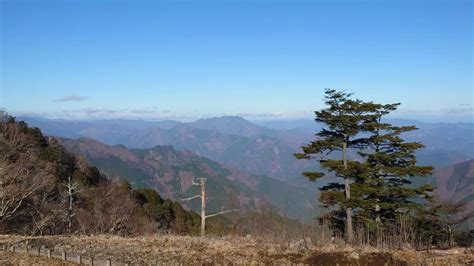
[[110, 208], [72, 189], [22, 174], [16, 185], [202, 184]]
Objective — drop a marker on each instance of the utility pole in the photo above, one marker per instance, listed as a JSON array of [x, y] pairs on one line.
[[202, 184]]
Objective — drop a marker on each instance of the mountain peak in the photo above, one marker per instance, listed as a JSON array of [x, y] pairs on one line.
[[228, 118], [232, 125]]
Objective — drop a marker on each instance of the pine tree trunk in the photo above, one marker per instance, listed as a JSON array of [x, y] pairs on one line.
[[347, 192]]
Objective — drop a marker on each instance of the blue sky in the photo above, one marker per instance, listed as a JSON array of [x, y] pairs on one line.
[[259, 59]]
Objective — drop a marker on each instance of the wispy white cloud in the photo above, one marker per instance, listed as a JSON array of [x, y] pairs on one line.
[[107, 113], [91, 111], [464, 109], [144, 111], [71, 98], [460, 113]]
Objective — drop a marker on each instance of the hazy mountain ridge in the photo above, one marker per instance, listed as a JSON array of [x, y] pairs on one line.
[[171, 173], [253, 148]]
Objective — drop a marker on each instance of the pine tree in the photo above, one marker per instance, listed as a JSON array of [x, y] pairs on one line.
[[377, 181], [343, 119], [384, 188]]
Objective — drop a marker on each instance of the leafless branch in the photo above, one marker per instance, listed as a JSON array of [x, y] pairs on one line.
[[222, 212], [186, 199]]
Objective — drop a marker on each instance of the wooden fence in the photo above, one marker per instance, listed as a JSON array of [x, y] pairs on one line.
[[63, 255]]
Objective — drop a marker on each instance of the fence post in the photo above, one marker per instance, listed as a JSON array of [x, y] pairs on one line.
[[38, 251], [13, 248], [79, 259], [91, 260], [64, 255], [109, 262], [49, 253], [26, 249]]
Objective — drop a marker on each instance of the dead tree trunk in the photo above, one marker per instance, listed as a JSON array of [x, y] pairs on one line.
[[202, 183], [71, 190], [203, 206]]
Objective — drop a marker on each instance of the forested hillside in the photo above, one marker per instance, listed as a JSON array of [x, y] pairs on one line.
[[172, 173], [47, 190]]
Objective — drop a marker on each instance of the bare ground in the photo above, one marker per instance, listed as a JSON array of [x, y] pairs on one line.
[[167, 249]]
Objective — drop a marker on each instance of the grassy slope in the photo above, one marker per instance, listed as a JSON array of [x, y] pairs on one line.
[[237, 250]]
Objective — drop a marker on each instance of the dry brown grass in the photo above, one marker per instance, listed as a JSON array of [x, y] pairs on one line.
[[168, 249], [11, 258], [454, 256]]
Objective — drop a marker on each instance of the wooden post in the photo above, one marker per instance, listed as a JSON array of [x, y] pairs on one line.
[[48, 251], [109, 262], [26, 249], [64, 255], [79, 259], [13, 248], [38, 251], [91, 261]]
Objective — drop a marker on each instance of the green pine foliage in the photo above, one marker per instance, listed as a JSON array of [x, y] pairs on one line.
[[384, 188], [376, 186], [343, 120]]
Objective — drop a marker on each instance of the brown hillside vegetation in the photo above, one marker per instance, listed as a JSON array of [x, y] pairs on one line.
[[234, 250]]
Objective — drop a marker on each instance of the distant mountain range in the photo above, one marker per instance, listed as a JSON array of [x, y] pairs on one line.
[[172, 172], [244, 158], [232, 141], [264, 149]]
